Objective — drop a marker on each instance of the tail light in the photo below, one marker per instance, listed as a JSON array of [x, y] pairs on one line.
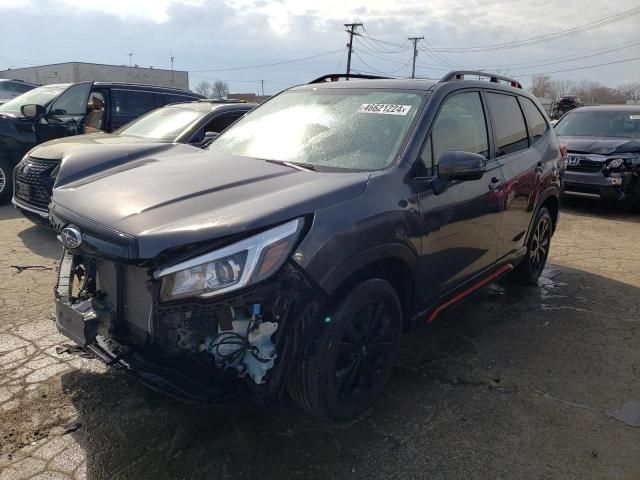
[[563, 151]]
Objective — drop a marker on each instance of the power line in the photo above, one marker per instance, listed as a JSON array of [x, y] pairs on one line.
[[626, 60], [543, 38], [602, 52], [378, 71], [435, 67], [282, 62]]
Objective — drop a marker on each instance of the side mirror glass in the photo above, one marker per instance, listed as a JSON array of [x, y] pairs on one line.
[[457, 165], [32, 111]]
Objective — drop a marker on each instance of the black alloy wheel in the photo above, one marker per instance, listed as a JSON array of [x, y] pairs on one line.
[[353, 359], [529, 270]]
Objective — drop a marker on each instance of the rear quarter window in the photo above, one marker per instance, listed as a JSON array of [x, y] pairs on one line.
[[509, 127], [536, 121]]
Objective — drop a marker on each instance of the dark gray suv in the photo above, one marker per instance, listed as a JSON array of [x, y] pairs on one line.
[[296, 249]]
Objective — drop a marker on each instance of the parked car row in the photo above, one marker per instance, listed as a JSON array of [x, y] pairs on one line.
[[293, 251], [194, 123], [63, 110]]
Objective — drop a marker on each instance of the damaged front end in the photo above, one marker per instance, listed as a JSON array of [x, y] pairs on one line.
[[204, 329]]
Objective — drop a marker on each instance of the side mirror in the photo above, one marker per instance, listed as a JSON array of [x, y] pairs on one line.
[[209, 137], [457, 165], [32, 111]]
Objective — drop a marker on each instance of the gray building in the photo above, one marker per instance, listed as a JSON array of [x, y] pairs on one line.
[[72, 72]]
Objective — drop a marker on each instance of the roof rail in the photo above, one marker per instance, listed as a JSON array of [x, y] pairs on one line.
[[459, 75], [334, 77]]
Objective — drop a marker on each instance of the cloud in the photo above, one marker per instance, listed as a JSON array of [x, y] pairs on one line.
[[216, 34]]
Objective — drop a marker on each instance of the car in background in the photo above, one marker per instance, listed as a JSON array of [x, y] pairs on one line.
[[67, 109], [195, 123], [603, 146], [10, 89], [293, 252], [566, 103]]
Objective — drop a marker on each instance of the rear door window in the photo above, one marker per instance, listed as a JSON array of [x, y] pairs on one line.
[[460, 126], [127, 105], [537, 123], [509, 127]]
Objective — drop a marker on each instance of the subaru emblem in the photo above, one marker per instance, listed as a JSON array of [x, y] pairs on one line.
[[71, 236]]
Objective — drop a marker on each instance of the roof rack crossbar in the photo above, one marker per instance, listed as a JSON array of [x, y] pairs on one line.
[[334, 77], [459, 75]]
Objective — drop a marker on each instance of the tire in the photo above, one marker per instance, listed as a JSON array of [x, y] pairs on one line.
[[6, 181], [538, 243], [351, 363]]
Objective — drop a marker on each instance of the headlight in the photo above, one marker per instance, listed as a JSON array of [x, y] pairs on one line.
[[615, 163], [230, 268]]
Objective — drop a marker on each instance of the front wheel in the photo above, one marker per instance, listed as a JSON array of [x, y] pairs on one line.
[[6, 182], [530, 269], [352, 361]]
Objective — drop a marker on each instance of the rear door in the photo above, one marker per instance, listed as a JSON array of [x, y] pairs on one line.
[[129, 104], [460, 219], [520, 167], [65, 114]]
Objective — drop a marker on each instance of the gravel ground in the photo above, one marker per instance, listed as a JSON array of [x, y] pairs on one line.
[[517, 383]]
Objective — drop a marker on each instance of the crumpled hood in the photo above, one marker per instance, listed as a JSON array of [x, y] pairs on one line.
[[59, 148], [180, 195], [601, 145]]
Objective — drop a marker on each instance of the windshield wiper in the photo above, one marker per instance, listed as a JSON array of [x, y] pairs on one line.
[[297, 165]]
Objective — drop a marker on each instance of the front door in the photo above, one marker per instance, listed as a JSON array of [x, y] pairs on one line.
[[460, 219], [66, 114]]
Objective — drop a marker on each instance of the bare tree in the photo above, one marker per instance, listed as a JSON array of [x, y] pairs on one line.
[[204, 88], [220, 89], [541, 86], [630, 90]]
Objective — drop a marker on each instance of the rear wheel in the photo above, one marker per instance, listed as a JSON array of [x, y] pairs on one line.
[[353, 359], [529, 270], [6, 182]]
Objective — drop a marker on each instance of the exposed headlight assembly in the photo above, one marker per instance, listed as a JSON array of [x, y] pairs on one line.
[[230, 268], [615, 163]]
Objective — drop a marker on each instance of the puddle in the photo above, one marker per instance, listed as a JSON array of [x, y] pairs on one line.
[[629, 414]]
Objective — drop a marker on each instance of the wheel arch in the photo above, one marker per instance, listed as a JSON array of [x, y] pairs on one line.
[[396, 268]]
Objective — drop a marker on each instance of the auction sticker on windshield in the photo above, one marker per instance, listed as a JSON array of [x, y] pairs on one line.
[[384, 108]]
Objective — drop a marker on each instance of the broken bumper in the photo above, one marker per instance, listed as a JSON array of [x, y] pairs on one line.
[[160, 361]]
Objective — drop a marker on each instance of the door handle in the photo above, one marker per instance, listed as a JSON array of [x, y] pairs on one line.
[[495, 184]]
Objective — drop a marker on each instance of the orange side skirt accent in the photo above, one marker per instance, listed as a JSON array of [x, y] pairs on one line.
[[471, 289]]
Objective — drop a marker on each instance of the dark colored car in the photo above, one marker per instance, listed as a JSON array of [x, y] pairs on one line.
[[603, 144], [62, 110], [194, 123], [10, 89], [294, 251], [565, 104]]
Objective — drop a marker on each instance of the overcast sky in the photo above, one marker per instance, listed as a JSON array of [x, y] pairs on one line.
[[209, 35]]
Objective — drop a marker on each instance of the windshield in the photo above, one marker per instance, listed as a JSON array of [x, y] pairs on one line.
[[40, 96], [620, 123], [340, 128], [164, 124]]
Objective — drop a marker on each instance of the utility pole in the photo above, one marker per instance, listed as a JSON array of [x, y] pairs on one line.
[[262, 86], [172, 59], [351, 30], [415, 54]]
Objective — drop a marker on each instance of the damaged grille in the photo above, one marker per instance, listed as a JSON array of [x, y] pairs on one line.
[[582, 164], [34, 182]]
